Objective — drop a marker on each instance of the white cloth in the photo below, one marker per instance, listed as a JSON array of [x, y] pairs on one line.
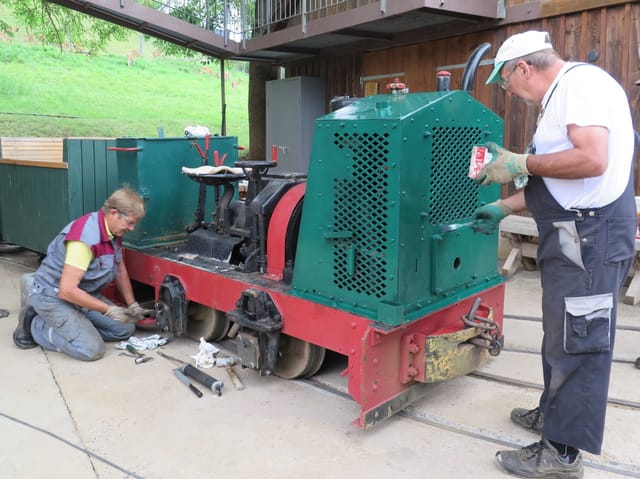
[[212, 170], [587, 96], [195, 131], [205, 357], [142, 344]]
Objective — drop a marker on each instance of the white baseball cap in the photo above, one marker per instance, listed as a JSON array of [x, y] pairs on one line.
[[516, 46]]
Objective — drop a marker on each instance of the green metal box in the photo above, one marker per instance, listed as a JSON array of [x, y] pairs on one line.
[[385, 226], [153, 166]]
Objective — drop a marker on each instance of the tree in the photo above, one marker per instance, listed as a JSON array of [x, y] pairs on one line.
[[210, 15], [259, 74], [56, 25]]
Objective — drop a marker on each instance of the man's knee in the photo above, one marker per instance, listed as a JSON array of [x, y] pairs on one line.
[[123, 331], [91, 351], [84, 342]]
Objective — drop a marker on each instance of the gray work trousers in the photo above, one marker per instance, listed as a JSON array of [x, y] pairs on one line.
[[78, 332], [584, 257]]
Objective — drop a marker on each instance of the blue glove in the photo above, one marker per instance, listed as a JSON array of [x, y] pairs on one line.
[[504, 166], [487, 218]]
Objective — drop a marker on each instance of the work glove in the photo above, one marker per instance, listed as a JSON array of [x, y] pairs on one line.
[[123, 315], [504, 166], [139, 312], [487, 218]]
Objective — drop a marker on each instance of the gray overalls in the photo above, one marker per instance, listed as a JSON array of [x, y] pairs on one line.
[[584, 257], [62, 326]]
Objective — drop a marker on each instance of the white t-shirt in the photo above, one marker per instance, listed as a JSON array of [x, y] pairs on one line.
[[587, 96]]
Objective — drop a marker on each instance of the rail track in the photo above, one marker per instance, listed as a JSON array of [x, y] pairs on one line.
[[417, 414], [414, 414]]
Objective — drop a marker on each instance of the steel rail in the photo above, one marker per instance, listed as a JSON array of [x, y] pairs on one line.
[[511, 349], [538, 319], [412, 414], [526, 384]]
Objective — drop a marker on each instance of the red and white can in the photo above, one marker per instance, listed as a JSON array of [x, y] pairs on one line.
[[480, 157]]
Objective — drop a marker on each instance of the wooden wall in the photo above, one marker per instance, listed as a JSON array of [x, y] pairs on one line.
[[607, 36]]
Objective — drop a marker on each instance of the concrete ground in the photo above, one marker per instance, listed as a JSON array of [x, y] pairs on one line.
[[63, 418]]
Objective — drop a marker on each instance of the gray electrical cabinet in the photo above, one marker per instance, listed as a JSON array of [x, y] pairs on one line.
[[293, 104]]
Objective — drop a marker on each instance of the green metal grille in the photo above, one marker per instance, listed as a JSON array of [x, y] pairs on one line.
[[385, 174], [360, 206], [452, 199]]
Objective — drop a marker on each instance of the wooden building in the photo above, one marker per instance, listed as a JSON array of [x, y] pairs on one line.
[[358, 45], [605, 33]]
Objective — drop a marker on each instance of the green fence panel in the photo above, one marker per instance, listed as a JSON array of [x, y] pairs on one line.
[[38, 201]]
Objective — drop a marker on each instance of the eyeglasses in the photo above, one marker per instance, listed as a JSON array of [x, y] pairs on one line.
[[506, 81], [129, 222]]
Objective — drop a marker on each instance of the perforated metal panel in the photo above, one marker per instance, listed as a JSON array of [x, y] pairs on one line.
[[387, 173], [452, 198], [360, 206]]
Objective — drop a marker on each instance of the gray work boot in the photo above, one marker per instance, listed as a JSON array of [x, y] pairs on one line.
[[540, 460], [22, 335], [532, 419]]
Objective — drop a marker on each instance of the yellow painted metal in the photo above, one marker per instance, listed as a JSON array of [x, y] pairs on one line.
[[450, 355]]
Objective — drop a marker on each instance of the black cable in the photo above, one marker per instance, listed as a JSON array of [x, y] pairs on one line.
[[69, 443]]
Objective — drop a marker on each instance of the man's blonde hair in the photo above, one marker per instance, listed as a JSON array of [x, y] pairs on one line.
[[127, 201]]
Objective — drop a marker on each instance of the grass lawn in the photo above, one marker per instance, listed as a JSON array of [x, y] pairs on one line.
[[46, 92]]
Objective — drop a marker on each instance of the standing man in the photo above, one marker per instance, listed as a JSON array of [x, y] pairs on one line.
[[66, 311], [580, 193]]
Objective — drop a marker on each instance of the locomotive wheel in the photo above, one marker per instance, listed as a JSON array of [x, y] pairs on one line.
[[207, 323], [297, 358]]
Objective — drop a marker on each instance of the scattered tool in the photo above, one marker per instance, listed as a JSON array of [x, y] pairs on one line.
[[227, 363], [171, 358], [237, 383], [203, 378], [140, 358], [455, 226], [186, 381]]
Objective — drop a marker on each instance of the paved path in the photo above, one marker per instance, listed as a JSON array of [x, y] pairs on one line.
[[61, 418]]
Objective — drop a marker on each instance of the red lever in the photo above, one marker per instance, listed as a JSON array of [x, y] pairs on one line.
[[217, 161], [203, 155]]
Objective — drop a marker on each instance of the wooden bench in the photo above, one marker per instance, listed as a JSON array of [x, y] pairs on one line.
[[32, 151], [522, 233]]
